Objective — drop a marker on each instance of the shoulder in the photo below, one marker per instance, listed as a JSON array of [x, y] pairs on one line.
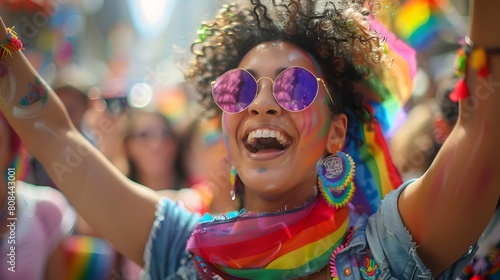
[[165, 254], [173, 212]]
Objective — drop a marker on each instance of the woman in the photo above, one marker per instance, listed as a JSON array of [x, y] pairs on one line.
[[153, 151], [289, 229]]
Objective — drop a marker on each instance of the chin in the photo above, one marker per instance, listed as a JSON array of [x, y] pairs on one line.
[[264, 185]]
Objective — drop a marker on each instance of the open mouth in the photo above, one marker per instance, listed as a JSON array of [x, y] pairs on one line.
[[267, 140]]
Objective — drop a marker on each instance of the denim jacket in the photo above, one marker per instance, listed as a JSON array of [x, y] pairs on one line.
[[380, 247], [383, 240]]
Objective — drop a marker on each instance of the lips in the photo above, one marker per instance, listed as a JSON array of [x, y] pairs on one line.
[[267, 140]]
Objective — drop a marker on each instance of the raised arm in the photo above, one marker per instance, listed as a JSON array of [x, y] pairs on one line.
[[448, 208], [118, 209]]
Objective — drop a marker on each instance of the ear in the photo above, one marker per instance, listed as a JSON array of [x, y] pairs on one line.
[[337, 133], [441, 129]]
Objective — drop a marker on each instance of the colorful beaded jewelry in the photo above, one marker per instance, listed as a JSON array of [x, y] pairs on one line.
[[335, 179], [8, 47], [478, 60], [235, 182]]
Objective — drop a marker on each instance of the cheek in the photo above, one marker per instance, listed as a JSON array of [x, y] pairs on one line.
[[169, 144], [313, 128]]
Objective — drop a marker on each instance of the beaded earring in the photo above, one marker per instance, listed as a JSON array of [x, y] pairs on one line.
[[335, 178], [235, 182]]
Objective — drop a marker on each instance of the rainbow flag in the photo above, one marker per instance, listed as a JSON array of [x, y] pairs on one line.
[[386, 90], [419, 22], [89, 258]]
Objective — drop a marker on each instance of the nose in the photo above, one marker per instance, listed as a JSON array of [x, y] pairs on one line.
[[264, 102]]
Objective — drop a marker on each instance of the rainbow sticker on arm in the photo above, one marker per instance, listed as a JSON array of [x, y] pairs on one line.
[[33, 103], [37, 92]]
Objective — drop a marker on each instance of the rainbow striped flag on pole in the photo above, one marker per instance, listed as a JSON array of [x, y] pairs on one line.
[[420, 22]]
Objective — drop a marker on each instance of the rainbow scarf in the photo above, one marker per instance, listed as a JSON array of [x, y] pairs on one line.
[[280, 245]]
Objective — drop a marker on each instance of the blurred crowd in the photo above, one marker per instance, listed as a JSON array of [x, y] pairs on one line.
[[119, 81]]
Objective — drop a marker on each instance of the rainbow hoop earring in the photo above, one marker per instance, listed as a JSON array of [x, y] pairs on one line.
[[335, 178], [235, 182]]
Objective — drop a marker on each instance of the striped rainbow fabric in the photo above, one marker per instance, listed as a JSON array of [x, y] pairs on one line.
[[418, 22], [21, 164], [89, 258], [280, 245], [386, 90]]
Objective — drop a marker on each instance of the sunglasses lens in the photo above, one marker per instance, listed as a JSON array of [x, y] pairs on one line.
[[234, 91], [295, 89]]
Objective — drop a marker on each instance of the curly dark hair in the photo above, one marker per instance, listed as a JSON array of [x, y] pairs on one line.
[[337, 34]]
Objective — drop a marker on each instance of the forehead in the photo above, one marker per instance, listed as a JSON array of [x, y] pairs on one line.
[[147, 120], [270, 57]]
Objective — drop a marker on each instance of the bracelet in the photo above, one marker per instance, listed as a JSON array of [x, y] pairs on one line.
[[9, 46], [477, 58]]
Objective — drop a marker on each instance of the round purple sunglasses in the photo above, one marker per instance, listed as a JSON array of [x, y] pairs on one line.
[[294, 89]]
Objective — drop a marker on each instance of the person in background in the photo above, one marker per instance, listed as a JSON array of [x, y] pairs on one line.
[[209, 152], [35, 221], [155, 160], [154, 151], [413, 146], [445, 110], [105, 122]]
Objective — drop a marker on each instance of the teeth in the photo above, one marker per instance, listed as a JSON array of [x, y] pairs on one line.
[[267, 133]]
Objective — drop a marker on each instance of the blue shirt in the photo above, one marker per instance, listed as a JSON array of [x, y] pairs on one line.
[[380, 239]]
